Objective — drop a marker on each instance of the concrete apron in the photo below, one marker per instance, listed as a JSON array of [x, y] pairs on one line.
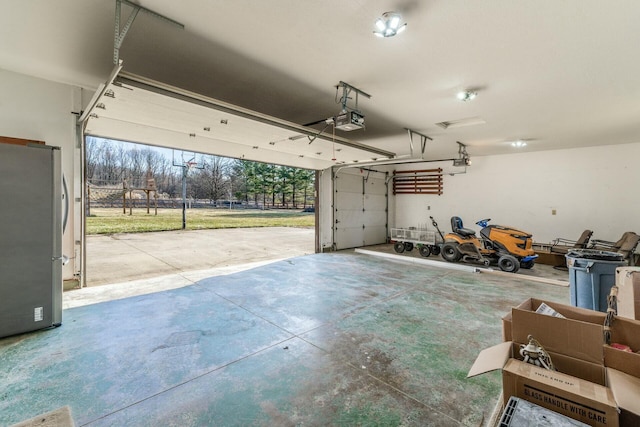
[[120, 258], [326, 339]]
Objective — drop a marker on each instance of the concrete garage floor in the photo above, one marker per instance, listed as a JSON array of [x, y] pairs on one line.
[[328, 339]]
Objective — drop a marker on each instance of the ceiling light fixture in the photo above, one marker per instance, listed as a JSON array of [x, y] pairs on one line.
[[519, 143], [388, 25], [466, 95]]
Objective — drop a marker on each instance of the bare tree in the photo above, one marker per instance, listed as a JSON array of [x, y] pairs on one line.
[[213, 182]]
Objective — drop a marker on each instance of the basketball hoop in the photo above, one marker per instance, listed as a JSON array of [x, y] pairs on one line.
[[191, 165], [186, 166]]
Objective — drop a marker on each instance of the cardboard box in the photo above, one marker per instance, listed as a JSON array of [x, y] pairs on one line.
[[628, 283], [590, 402], [627, 332], [579, 335]]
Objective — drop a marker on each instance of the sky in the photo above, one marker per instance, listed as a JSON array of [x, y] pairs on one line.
[[171, 154]]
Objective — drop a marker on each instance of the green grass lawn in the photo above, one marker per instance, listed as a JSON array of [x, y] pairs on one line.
[[112, 220]]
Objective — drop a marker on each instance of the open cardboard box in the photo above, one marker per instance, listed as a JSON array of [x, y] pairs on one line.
[[628, 283], [594, 403], [627, 332], [579, 335], [594, 381]]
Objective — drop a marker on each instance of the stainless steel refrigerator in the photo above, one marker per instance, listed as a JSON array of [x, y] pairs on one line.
[[30, 238]]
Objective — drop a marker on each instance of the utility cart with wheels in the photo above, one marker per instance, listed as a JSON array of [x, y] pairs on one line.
[[405, 239]]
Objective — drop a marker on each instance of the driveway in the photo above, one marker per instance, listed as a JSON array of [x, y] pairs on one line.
[[125, 257]]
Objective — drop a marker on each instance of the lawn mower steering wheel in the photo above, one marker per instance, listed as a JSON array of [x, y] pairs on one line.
[[483, 222]]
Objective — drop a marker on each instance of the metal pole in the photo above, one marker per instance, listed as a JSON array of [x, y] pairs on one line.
[[184, 197], [88, 201]]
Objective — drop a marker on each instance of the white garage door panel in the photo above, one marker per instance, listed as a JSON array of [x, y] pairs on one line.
[[134, 132], [375, 186], [375, 235], [361, 219], [374, 202], [349, 238], [349, 184], [349, 219], [373, 218], [349, 201], [137, 109]]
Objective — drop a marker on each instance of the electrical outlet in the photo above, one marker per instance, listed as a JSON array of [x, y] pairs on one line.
[[428, 208], [553, 211]]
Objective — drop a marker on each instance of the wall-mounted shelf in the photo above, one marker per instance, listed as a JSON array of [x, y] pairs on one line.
[[424, 181]]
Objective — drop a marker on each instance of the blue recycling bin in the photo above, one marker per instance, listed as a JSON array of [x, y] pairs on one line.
[[592, 274]]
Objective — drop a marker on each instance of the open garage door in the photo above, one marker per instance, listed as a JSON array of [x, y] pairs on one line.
[[136, 109], [360, 208]]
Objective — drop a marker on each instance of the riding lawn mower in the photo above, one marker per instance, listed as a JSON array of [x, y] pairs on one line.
[[508, 247]]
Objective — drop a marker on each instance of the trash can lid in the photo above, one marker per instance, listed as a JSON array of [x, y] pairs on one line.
[[595, 254]]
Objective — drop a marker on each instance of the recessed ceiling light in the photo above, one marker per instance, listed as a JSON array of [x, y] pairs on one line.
[[519, 143], [388, 25], [466, 95]]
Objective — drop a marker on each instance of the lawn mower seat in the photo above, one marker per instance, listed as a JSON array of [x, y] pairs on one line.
[[457, 227]]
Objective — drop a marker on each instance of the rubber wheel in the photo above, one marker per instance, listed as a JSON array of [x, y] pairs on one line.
[[398, 247], [408, 246], [425, 250], [435, 250], [527, 264], [508, 263], [450, 252]]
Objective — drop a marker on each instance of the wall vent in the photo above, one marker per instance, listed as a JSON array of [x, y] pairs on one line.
[[470, 121]]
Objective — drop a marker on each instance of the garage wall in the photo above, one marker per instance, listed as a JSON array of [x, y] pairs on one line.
[[588, 188], [32, 108]]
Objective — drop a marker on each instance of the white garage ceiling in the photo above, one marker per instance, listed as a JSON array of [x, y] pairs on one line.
[[556, 74]]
